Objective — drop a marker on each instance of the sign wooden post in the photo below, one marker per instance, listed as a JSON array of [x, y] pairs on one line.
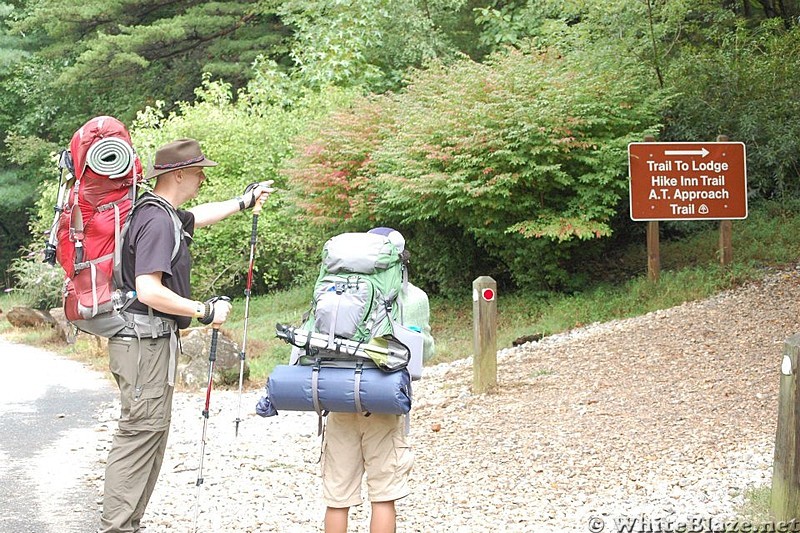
[[484, 313], [725, 242], [725, 231], [785, 499], [653, 251], [653, 242]]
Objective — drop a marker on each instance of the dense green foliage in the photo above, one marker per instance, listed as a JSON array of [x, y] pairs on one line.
[[373, 42], [492, 133], [519, 155], [94, 55], [746, 87], [63, 59], [40, 284], [15, 190]]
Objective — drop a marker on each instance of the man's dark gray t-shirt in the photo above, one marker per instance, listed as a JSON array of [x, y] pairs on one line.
[[148, 249]]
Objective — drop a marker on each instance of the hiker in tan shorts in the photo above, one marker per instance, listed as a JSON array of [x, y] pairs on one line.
[[355, 444], [377, 444]]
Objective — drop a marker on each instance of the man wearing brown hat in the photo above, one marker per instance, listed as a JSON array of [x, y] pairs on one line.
[[143, 357]]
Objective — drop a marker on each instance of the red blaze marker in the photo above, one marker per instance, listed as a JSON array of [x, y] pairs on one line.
[[488, 294]]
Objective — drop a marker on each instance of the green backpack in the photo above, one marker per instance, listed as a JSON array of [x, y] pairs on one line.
[[355, 308]]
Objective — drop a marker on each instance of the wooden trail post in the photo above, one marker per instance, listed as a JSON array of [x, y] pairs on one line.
[[484, 313], [725, 242], [653, 243], [653, 251], [725, 230], [785, 500]]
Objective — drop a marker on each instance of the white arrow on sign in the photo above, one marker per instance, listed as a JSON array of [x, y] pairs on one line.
[[701, 153]]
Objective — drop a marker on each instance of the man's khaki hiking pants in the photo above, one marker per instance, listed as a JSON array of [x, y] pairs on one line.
[[137, 451]]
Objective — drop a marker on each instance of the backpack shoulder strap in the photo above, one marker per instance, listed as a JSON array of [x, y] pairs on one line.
[[176, 222]]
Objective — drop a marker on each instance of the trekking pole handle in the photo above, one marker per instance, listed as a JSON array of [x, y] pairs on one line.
[[254, 230], [258, 201], [212, 354], [208, 318], [259, 205]]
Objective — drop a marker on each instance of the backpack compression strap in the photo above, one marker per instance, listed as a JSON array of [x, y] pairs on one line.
[[118, 229], [315, 396], [357, 386], [76, 223]]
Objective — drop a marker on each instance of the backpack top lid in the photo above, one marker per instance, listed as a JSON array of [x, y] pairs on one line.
[[105, 163], [394, 236], [118, 159], [365, 253], [101, 149]]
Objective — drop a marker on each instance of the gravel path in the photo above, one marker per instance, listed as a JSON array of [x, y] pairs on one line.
[[671, 415], [42, 421]]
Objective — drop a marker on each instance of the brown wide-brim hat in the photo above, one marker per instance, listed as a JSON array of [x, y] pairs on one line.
[[178, 154]]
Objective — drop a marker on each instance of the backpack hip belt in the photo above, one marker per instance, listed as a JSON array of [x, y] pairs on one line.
[[139, 326]]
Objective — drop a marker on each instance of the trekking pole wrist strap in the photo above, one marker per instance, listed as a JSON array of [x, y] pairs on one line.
[[208, 313], [251, 197]]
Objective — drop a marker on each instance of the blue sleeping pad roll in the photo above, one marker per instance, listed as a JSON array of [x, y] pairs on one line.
[[289, 388]]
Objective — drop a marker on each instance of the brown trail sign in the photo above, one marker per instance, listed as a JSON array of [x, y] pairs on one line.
[[687, 181]]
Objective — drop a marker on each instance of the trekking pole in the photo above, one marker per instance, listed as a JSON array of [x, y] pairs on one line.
[[212, 357], [64, 163], [247, 291]]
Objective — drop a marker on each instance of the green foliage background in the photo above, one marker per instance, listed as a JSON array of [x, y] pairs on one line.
[[746, 86], [522, 155], [249, 144], [493, 134]]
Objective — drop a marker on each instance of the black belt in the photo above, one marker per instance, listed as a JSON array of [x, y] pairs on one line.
[[143, 337]]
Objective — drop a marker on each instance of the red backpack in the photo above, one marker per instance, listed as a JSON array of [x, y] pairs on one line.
[[89, 228]]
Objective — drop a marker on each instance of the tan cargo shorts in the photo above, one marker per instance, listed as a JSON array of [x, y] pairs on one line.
[[355, 444]]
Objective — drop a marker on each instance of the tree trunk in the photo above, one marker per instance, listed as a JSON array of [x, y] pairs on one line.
[[769, 9]]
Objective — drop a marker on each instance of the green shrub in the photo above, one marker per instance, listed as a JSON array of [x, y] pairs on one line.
[[523, 156], [250, 141], [39, 285], [18, 192]]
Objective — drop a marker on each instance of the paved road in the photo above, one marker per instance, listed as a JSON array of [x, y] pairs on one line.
[[48, 440]]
